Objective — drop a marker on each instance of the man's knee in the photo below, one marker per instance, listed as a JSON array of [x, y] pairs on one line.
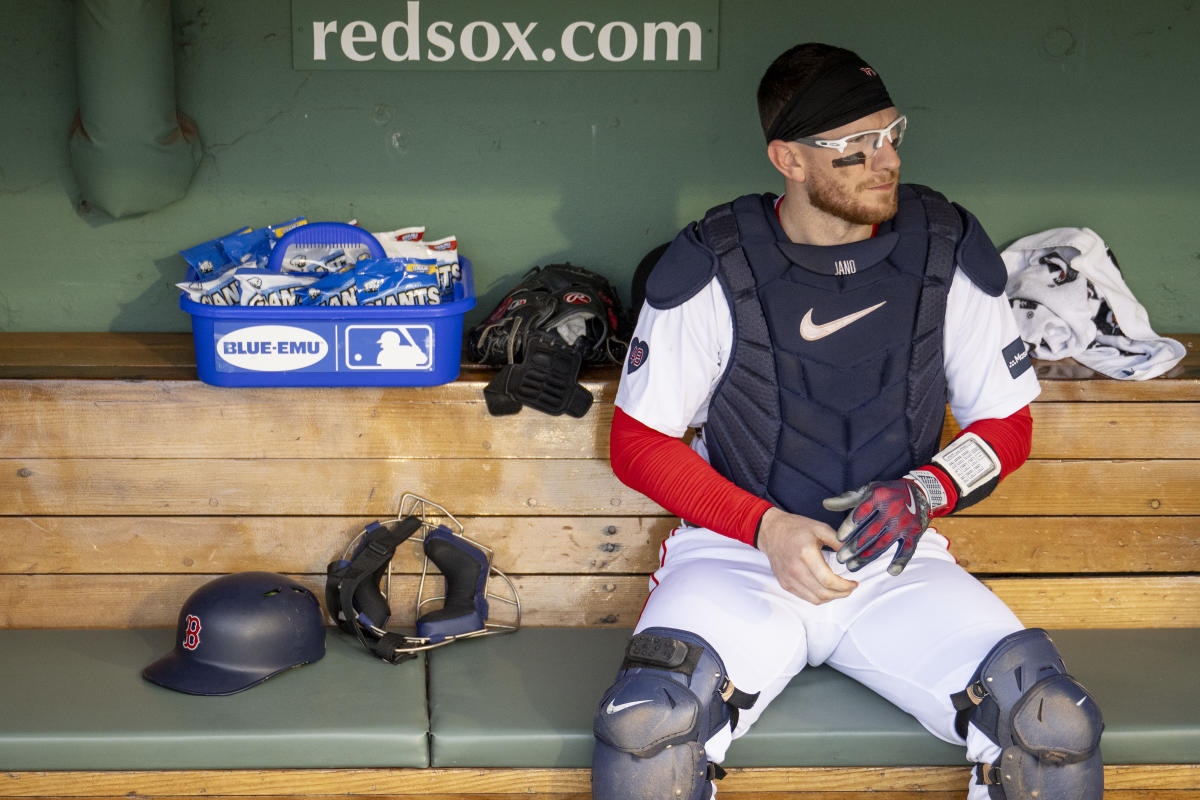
[[1047, 725], [671, 695]]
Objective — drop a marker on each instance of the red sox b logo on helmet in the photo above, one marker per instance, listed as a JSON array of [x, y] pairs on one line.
[[191, 638]]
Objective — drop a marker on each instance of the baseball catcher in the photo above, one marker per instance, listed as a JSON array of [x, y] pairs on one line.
[[558, 318], [785, 396]]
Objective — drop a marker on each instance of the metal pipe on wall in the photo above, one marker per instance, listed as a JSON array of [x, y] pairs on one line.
[[131, 150]]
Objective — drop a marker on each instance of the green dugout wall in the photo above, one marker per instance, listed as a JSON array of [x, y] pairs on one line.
[[1031, 114]]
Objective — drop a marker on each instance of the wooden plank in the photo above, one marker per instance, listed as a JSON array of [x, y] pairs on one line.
[[105, 419], [1074, 544], [119, 601], [359, 487], [81, 353], [205, 545], [1184, 387], [533, 782], [373, 487], [553, 545], [1102, 602], [1096, 488], [1108, 430], [122, 419]]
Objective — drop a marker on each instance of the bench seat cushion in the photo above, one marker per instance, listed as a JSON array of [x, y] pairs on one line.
[[526, 700], [77, 700]]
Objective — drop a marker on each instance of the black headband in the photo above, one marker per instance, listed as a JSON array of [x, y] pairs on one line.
[[843, 89]]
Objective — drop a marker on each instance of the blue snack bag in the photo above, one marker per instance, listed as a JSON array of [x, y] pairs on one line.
[[248, 249], [336, 289], [278, 230], [208, 259], [386, 266], [399, 288]]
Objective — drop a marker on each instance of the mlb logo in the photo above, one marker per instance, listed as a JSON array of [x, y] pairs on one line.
[[389, 347]]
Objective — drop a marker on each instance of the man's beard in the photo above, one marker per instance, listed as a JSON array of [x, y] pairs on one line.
[[830, 198]]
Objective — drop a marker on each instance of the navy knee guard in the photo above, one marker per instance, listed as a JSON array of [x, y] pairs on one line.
[[670, 696], [1047, 725]]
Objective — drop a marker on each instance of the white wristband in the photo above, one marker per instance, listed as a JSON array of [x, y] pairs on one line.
[[932, 488], [970, 462]]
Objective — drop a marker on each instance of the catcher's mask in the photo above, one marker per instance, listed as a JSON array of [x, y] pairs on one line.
[[236, 631], [359, 605]]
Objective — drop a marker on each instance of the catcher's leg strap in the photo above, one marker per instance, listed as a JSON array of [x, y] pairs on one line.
[[546, 379], [671, 695], [1046, 723]]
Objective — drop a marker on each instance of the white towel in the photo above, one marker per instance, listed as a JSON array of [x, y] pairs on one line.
[[1070, 301]]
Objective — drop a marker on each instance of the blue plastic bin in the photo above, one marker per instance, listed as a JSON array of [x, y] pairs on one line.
[[332, 346]]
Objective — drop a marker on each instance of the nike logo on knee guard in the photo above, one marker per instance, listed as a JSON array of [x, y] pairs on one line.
[[613, 708]]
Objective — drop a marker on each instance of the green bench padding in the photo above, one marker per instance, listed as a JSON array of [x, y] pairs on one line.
[[526, 700], [77, 700]]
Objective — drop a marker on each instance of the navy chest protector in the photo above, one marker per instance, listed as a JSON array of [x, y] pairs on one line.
[[836, 374]]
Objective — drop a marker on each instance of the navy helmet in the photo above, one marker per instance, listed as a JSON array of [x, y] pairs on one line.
[[236, 631]]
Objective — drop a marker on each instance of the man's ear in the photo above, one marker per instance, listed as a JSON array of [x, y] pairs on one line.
[[784, 158]]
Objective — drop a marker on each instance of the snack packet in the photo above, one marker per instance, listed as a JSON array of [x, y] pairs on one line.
[[222, 290], [335, 289], [208, 259], [277, 231], [264, 287], [321, 259], [413, 234], [444, 251], [248, 249], [252, 248], [398, 288]]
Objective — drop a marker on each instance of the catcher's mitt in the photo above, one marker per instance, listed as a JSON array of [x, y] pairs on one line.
[[556, 319]]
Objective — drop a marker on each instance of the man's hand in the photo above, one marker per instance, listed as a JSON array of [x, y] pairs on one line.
[[883, 514], [793, 547]]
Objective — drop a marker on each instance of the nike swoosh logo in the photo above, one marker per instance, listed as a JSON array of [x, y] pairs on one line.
[[811, 332], [911, 505], [613, 709]]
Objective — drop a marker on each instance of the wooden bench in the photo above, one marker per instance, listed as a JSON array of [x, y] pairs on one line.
[[125, 484]]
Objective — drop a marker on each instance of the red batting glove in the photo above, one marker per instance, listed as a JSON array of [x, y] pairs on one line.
[[882, 514]]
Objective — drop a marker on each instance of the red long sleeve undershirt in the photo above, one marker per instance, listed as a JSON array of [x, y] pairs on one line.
[[670, 473]]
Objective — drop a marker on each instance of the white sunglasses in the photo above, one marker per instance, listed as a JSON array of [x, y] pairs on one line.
[[893, 133]]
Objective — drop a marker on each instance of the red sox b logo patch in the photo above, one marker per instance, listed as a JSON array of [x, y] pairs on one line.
[[191, 638], [639, 351]]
